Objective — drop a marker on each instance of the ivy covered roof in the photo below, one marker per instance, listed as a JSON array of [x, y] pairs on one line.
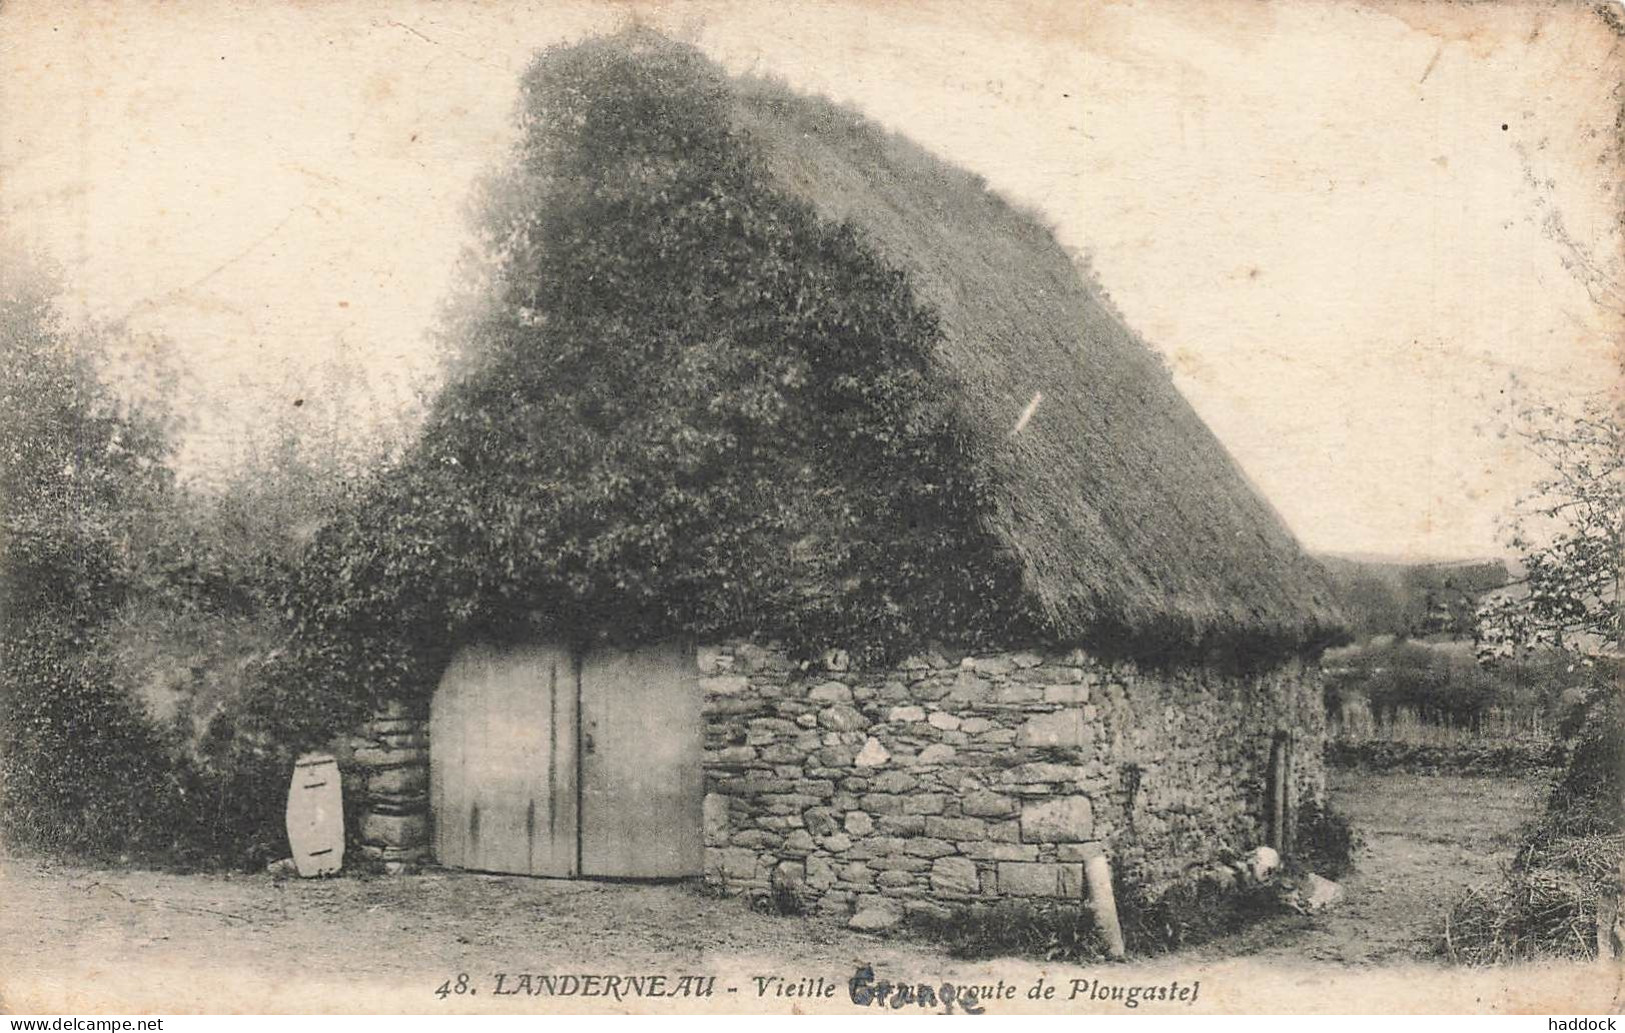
[[744, 363]]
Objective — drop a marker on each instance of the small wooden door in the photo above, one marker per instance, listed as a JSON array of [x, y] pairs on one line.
[[502, 761], [545, 764], [316, 815], [641, 779]]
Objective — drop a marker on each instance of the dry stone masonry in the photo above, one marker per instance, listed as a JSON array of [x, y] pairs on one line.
[[872, 794], [387, 782]]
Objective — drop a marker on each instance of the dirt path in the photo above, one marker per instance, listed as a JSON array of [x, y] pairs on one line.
[[78, 939], [1426, 838]]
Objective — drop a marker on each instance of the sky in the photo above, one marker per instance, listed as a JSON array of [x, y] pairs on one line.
[[1354, 231]]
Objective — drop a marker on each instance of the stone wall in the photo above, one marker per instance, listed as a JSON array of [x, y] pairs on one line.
[[868, 793], [952, 780], [386, 772]]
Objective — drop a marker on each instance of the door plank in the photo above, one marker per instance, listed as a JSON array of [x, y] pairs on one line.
[[502, 791], [641, 776]]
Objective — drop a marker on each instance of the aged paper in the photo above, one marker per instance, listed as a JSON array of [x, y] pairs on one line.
[[1355, 236]]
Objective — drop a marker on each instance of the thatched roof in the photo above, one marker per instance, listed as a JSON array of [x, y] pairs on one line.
[[1122, 505], [704, 227]]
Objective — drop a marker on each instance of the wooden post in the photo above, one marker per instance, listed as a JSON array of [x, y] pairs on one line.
[[1289, 799], [1278, 792], [1097, 870]]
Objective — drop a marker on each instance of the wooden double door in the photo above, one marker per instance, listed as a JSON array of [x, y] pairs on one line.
[[545, 761]]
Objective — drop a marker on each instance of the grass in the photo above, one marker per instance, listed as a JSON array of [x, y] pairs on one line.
[[1014, 928], [1187, 915]]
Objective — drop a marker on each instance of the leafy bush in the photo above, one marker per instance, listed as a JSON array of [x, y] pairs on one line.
[[1014, 928], [682, 404], [785, 899], [1185, 915], [1192, 913], [81, 766], [1466, 758], [1326, 841], [138, 621]]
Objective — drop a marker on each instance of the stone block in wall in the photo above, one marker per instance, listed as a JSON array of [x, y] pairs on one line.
[[937, 753], [713, 659], [392, 856], [1079, 851], [992, 665], [941, 719], [859, 823], [873, 755], [380, 757], [831, 692], [1078, 693], [882, 803], [789, 876], [902, 824], [894, 880], [835, 902], [1040, 879], [797, 844], [968, 688], [714, 819], [407, 803], [981, 804], [1004, 831], [959, 830], [750, 658], [782, 753], [733, 864], [1063, 728], [760, 731], [927, 847], [955, 875], [837, 756], [859, 874], [396, 830], [401, 781], [756, 839], [931, 689], [906, 714], [1000, 851], [1062, 819], [842, 718], [733, 706], [1015, 694], [924, 803], [820, 872], [1041, 771], [725, 685], [821, 821], [893, 782]]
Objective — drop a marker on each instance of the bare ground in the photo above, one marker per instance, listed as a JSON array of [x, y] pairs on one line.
[[74, 938], [1426, 838]]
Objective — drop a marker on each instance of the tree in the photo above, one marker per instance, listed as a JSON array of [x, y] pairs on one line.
[[1569, 536], [1569, 533], [79, 763]]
